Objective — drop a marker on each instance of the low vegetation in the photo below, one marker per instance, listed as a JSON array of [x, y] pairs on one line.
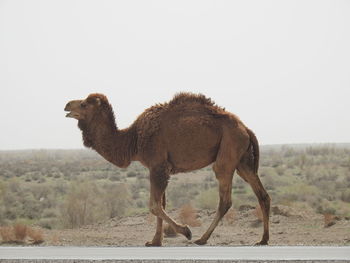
[[71, 188], [20, 234], [188, 216]]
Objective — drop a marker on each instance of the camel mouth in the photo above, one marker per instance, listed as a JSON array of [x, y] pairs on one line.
[[72, 114], [70, 109]]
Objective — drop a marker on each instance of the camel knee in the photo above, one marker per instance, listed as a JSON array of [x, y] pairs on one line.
[[228, 205], [266, 199], [224, 207], [155, 209]]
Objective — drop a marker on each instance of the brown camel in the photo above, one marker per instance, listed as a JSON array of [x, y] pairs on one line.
[[185, 134]]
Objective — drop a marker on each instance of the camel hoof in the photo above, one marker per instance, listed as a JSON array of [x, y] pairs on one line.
[[200, 242], [187, 232], [261, 243], [153, 244]]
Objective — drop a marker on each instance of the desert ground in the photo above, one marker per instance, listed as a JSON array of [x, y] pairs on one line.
[[289, 226], [74, 197]]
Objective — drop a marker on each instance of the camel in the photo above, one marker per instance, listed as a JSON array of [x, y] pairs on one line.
[[187, 133]]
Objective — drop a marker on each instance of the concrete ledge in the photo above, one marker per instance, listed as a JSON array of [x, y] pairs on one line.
[[165, 261], [174, 254]]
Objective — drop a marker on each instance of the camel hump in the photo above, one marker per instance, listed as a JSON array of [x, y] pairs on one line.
[[190, 98]]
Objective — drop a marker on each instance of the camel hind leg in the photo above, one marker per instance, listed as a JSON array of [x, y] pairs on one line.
[[247, 173], [224, 167], [225, 186]]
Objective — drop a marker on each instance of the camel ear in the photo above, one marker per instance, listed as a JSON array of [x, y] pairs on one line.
[[98, 101]]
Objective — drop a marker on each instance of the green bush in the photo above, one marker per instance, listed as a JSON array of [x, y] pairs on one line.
[[114, 177], [116, 199], [208, 199], [81, 205], [131, 174], [179, 194], [48, 223], [345, 195]]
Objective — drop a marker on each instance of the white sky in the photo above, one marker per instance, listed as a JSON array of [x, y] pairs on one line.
[[282, 66]]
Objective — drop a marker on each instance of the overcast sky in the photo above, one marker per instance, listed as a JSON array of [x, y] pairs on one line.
[[282, 66]]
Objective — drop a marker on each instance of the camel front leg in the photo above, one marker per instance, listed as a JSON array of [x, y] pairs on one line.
[[157, 209], [158, 237], [159, 183]]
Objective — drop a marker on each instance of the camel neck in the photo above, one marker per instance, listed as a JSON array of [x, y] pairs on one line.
[[116, 146]]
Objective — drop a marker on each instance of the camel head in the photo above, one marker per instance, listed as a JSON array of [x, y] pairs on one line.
[[86, 110]]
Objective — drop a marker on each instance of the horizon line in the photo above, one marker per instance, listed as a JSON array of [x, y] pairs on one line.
[[261, 145]]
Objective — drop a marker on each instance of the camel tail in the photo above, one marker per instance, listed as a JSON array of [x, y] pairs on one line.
[[254, 151]]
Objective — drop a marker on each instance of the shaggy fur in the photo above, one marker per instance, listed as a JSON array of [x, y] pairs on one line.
[[185, 134]]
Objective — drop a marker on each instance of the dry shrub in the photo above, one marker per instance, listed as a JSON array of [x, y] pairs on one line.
[[246, 207], [258, 213], [20, 232], [7, 234], [278, 210], [230, 216], [169, 231], [329, 220], [55, 239], [36, 235], [188, 216]]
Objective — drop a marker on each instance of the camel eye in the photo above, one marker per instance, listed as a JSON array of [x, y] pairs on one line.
[[83, 105]]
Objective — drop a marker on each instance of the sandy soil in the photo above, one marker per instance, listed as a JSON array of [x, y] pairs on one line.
[[289, 226]]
